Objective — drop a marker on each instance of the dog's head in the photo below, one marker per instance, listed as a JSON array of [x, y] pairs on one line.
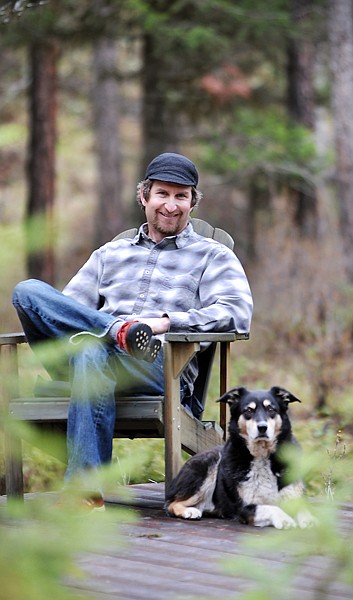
[[259, 416]]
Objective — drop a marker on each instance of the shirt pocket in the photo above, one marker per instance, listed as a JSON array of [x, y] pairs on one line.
[[178, 293]]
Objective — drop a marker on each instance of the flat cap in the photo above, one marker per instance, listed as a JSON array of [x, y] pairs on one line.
[[174, 168]]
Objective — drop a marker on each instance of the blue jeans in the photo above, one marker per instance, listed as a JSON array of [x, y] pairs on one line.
[[98, 368]]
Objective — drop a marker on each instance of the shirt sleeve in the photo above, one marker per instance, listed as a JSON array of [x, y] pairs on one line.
[[84, 286], [225, 299]]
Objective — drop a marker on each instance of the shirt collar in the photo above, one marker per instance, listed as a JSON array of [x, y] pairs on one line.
[[179, 240]]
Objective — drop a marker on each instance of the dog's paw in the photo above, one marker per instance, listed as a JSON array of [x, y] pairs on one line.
[[283, 521], [305, 519], [272, 516], [192, 513]]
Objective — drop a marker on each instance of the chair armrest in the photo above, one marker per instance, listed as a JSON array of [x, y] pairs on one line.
[[12, 339], [205, 337]]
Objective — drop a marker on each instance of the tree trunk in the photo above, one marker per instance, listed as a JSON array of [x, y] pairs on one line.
[[340, 27], [301, 105], [159, 125], [41, 161], [110, 218]]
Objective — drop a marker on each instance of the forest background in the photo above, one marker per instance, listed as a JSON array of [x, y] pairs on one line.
[[259, 95]]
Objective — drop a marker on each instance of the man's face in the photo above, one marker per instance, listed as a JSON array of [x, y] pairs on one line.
[[167, 209]]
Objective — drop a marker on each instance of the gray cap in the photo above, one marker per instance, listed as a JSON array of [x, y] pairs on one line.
[[174, 168]]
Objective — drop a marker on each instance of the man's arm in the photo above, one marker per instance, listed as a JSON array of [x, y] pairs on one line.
[[225, 299], [158, 325], [84, 286]]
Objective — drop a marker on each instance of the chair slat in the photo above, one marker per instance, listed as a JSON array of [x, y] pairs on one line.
[[202, 228], [129, 233], [222, 236]]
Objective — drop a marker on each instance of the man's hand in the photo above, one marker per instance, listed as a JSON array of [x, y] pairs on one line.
[[157, 324]]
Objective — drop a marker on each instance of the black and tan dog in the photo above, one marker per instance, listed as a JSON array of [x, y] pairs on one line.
[[244, 479]]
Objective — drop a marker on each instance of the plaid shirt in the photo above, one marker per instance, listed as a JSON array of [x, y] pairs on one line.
[[198, 282]]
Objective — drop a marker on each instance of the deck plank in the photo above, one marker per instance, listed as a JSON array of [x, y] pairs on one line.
[[164, 558], [170, 558]]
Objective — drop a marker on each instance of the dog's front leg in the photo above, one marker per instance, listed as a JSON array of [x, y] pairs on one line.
[[266, 515], [183, 510], [304, 518], [292, 490]]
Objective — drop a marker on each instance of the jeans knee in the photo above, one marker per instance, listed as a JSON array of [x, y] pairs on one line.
[[92, 369], [23, 290], [91, 353]]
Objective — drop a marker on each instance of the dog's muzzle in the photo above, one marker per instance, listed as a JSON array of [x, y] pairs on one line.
[[262, 429]]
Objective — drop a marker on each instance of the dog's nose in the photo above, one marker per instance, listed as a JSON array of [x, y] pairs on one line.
[[262, 428]]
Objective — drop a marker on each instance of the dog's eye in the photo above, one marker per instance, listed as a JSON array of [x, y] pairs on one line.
[[271, 411], [248, 413]]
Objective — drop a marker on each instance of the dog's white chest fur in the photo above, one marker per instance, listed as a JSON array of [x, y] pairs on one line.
[[260, 487]]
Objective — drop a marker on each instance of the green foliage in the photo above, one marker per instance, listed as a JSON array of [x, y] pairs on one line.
[[45, 458], [68, 21], [135, 461], [43, 472], [11, 133], [262, 141], [300, 548], [325, 465], [14, 9], [40, 541], [11, 246], [150, 464], [35, 22]]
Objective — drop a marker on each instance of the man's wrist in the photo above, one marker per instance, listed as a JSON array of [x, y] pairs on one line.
[[166, 322]]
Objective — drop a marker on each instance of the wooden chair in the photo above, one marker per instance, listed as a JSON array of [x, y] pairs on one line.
[[142, 416]]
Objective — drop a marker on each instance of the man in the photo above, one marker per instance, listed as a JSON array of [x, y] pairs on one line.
[[167, 278]]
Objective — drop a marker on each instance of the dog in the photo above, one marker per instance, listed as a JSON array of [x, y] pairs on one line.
[[245, 479]]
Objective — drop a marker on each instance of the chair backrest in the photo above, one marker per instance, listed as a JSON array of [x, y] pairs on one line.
[[205, 358], [201, 227]]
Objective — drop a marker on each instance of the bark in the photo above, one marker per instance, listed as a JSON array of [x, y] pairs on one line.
[[301, 105], [110, 216], [158, 121], [159, 125], [301, 56], [340, 27], [41, 160]]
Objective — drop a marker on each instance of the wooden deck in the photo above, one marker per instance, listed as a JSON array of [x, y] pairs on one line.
[[168, 558]]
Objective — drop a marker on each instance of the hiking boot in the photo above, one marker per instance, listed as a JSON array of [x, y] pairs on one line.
[[87, 502], [138, 340]]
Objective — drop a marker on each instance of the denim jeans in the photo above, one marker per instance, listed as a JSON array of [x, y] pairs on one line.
[[98, 368]]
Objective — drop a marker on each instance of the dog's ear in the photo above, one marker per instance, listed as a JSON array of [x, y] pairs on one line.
[[284, 395], [233, 395]]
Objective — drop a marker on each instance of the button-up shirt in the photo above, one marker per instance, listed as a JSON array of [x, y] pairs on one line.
[[198, 282]]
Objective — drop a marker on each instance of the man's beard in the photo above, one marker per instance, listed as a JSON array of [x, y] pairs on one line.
[[172, 229]]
